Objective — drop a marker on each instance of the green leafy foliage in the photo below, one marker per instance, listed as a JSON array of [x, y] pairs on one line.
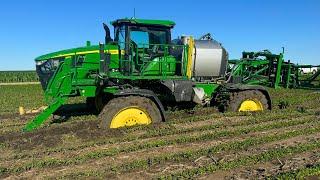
[[18, 76]]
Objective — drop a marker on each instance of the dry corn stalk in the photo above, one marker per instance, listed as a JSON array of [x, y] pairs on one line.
[[22, 111]]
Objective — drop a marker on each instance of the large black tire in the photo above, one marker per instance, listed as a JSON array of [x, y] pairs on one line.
[[90, 102], [114, 106], [237, 98], [95, 104]]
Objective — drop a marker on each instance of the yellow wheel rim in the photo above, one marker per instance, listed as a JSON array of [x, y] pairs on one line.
[[130, 116], [251, 105]]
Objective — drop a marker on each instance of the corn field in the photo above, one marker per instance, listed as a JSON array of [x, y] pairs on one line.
[[18, 76], [198, 143]]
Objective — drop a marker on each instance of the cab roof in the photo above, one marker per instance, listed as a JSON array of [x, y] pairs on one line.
[[150, 22]]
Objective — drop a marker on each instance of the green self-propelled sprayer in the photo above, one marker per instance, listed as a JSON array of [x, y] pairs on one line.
[[131, 79]]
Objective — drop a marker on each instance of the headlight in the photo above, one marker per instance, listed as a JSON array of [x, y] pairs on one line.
[[38, 63]]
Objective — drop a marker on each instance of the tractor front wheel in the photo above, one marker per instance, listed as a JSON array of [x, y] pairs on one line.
[[250, 100], [95, 104], [129, 111]]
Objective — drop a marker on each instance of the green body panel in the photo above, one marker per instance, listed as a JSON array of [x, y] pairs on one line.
[[160, 65], [209, 88], [90, 53], [60, 85], [88, 91], [59, 89], [68, 52]]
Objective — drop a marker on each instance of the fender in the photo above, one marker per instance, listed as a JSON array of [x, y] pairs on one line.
[[243, 87], [144, 93]]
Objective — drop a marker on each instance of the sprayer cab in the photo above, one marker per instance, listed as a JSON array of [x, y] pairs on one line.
[[142, 44]]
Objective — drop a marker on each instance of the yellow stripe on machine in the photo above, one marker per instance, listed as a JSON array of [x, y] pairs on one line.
[[190, 57], [89, 52]]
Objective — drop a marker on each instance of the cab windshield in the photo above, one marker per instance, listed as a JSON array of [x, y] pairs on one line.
[[142, 37], [145, 36]]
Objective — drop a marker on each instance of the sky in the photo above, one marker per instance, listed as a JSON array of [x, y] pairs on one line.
[[35, 27]]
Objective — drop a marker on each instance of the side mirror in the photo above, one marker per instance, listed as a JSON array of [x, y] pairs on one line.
[[107, 37]]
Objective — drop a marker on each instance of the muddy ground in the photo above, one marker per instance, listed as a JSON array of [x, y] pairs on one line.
[[196, 143]]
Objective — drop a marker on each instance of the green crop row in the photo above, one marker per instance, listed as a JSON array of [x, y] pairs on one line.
[[157, 143], [256, 116], [18, 76], [167, 131], [251, 120], [13, 96], [245, 160], [295, 97], [300, 173], [191, 155], [194, 154]]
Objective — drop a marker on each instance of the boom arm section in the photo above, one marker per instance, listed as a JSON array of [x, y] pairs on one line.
[[58, 90]]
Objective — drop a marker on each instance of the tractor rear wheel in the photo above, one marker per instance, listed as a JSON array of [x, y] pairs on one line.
[[129, 111], [249, 100]]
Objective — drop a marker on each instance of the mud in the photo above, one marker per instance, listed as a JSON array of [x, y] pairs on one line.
[[49, 137]]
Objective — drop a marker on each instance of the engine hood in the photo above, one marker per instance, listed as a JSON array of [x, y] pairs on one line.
[[75, 51]]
